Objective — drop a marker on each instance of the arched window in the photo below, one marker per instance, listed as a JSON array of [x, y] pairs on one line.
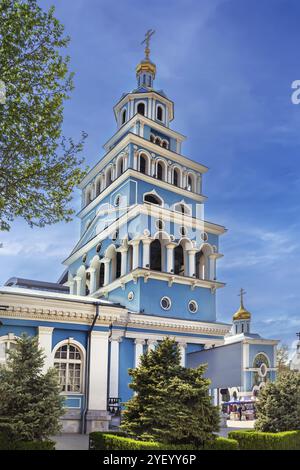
[[160, 171], [68, 362], [179, 261], [143, 164], [101, 275], [176, 177], [108, 177], [190, 183], [141, 108], [152, 138], [159, 113], [98, 186], [182, 208], [158, 141], [155, 255], [124, 116], [130, 258], [5, 346], [88, 198], [118, 265], [259, 360], [152, 199], [165, 144], [200, 265]]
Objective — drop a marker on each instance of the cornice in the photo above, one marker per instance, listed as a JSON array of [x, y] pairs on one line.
[[135, 139], [130, 172], [145, 120], [147, 274]]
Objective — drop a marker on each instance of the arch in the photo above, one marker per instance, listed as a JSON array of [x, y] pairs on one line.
[[176, 176], [98, 185], [261, 358], [7, 342], [182, 208], [144, 163], [88, 195], [153, 198], [158, 140], [95, 264], [141, 107], [101, 275], [120, 165], [165, 144], [179, 260], [124, 116], [155, 255], [202, 261], [161, 170], [108, 176], [130, 258], [152, 138], [159, 113], [190, 182], [111, 254], [69, 359]]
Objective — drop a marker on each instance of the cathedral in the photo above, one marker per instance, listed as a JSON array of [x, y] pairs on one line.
[[144, 268]]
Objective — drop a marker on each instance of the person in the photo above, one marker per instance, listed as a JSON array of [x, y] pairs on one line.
[[240, 409]]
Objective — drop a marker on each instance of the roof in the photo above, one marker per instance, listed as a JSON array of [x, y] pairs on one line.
[[36, 285]]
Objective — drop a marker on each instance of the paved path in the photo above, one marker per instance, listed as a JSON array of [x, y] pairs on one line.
[[71, 442]]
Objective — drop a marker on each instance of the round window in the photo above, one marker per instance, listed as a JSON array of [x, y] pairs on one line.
[[130, 295], [98, 247], [159, 224], [263, 370], [165, 303], [193, 306], [204, 236], [84, 258]]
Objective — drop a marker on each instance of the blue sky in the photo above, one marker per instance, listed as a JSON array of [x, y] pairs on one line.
[[228, 65]]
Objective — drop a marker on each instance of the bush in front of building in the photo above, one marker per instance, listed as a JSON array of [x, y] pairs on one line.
[[115, 441], [171, 404], [278, 407], [255, 440], [7, 444], [30, 400]]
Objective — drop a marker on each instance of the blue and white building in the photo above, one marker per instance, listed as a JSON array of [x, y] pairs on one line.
[[145, 267]]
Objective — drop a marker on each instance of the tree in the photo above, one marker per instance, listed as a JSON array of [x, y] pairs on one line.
[[278, 407], [30, 401], [282, 358], [39, 167], [171, 404]]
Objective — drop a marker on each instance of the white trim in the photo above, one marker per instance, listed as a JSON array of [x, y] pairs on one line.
[[165, 297]]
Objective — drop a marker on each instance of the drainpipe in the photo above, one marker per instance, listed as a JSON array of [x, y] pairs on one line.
[[87, 372]]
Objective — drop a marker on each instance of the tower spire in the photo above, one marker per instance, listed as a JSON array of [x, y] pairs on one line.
[[241, 295], [146, 41]]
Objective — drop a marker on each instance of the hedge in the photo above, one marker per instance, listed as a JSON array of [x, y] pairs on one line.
[[7, 444], [255, 440], [118, 441]]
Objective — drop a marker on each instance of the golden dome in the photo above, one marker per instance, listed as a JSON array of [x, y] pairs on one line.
[[145, 66], [242, 314]]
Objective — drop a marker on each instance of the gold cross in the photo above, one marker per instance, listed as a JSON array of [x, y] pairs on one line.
[[241, 295], [146, 41]]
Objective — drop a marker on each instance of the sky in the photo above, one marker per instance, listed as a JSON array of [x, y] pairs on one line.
[[228, 65]]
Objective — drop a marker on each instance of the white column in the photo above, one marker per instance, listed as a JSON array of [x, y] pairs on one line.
[[146, 252], [98, 370], [135, 160], [135, 253], [72, 287], [192, 266], [45, 343], [151, 345], [93, 279], [182, 347], [79, 282], [139, 351], [106, 262], [212, 265], [114, 366], [170, 257], [123, 252]]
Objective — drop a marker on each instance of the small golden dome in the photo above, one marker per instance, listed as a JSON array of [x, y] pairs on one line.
[[242, 314], [145, 66]]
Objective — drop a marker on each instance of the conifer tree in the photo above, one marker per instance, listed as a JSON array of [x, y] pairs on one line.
[[171, 403], [30, 401], [278, 407]]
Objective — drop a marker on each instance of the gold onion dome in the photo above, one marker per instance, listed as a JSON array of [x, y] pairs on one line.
[[242, 313], [146, 66]]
